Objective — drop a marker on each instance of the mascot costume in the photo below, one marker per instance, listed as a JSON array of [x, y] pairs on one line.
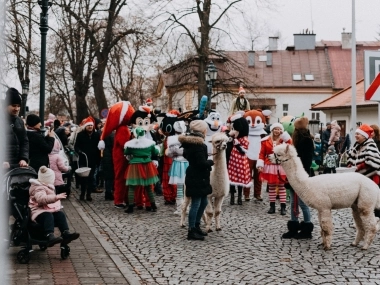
[[238, 166], [213, 126], [144, 118], [256, 120], [118, 119]]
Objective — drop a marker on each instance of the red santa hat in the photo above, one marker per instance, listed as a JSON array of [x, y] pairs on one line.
[[145, 109], [119, 114], [365, 130], [148, 101], [89, 121], [241, 90]]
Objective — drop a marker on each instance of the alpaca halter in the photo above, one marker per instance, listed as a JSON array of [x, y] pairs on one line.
[[278, 161]]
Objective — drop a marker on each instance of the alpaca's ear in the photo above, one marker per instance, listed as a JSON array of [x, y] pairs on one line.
[[287, 148]]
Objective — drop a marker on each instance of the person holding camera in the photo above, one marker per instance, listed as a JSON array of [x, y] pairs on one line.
[[39, 145]]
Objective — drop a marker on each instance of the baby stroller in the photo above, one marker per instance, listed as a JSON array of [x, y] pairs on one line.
[[24, 232]]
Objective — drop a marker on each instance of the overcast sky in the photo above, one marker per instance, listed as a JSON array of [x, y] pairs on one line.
[[326, 17]]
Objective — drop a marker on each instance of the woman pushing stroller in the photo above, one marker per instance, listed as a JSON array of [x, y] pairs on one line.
[[45, 208]]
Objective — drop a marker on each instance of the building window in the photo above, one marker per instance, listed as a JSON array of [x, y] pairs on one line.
[[284, 114], [213, 105], [297, 77], [315, 116], [285, 107], [309, 77]]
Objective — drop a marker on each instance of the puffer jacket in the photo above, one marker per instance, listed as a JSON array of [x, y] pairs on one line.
[[42, 198], [335, 134], [57, 164], [17, 142], [197, 179]]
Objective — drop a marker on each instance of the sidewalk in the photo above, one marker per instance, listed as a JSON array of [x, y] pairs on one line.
[[92, 260]]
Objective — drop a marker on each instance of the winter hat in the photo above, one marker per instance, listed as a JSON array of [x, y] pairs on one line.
[[180, 127], [328, 124], [148, 101], [32, 120], [301, 123], [198, 126], [317, 138], [241, 90], [46, 175], [12, 97], [89, 121], [365, 130], [331, 147], [276, 125]]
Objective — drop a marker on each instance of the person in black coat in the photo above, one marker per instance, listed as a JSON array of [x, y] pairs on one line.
[[86, 145], [39, 145], [17, 146], [197, 179], [107, 166], [304, 145]]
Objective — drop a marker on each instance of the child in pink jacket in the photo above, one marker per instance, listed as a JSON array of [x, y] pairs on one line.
[[57, 164], [45, 207]]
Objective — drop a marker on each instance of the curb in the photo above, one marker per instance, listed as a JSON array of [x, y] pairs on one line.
[[127, 273]]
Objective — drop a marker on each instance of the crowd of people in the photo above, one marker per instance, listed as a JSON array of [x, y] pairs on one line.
[[151, 159]]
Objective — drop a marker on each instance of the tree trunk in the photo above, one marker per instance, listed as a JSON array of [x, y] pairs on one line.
[[97, 79]]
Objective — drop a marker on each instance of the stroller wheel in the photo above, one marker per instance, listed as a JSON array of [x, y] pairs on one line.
[[42, 247], [65, 251], [23, 256]]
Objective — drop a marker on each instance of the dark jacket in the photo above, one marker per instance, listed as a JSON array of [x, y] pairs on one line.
[[325, 139], [62, 135], [107, 162], [197, 179], [89, 145], [17, 141], [346, 144], [39, 148], [305, 149]]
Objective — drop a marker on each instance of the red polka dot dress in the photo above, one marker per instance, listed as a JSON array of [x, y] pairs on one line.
[[238, 167]]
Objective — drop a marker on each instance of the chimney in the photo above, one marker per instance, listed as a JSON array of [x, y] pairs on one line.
[[346, 40], [251, 58], [269, 58], [273, 43], [304, 41]]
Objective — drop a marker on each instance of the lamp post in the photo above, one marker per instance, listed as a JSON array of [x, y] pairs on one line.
[[24, 97], [44, 27], [211, 73]]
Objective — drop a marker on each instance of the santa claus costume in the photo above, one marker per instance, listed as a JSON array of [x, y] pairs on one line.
[[118, 119]]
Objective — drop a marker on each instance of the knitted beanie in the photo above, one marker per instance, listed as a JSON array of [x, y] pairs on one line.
[[46, 175], [32, 120], [276, 125], [12, 97], [198, 126]]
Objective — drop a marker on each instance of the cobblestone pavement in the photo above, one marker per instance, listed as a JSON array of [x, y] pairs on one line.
[[249, 249], [91, 260]]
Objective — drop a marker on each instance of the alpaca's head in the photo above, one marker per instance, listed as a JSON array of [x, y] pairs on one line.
[[282, 153], [219, 141]]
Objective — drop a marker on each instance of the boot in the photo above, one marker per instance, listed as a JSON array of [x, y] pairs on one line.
[[232, 198], [293, 227], [108, 197], [69, 237], [283, 209], [239, 200], [154, 207], [193, 234], [200, 231], [129, 210], [179, 207], [306, 229], [81, 197], [52, 240], [88, 197], [272, 208]]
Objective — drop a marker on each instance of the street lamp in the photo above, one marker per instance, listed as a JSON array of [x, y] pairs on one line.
[[211, 73], [44, 27], [24, 96]]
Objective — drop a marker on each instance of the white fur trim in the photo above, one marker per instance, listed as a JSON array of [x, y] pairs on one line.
[[267, 112], [363, 133], [235, 117], [173, 140], [285, 136], [139, 143], [260, 163], [171, 115], [276, 125], [124, 110], [88, 124], [101, 145]]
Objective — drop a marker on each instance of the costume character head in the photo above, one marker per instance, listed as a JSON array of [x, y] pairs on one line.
[[257, 120], [144, 118], [213, 121], [239, 126]]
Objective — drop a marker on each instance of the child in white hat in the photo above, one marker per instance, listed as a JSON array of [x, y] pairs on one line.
[[45, 207]]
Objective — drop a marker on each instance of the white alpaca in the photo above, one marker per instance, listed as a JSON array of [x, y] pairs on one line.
[[333, 191], [219, 183]]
